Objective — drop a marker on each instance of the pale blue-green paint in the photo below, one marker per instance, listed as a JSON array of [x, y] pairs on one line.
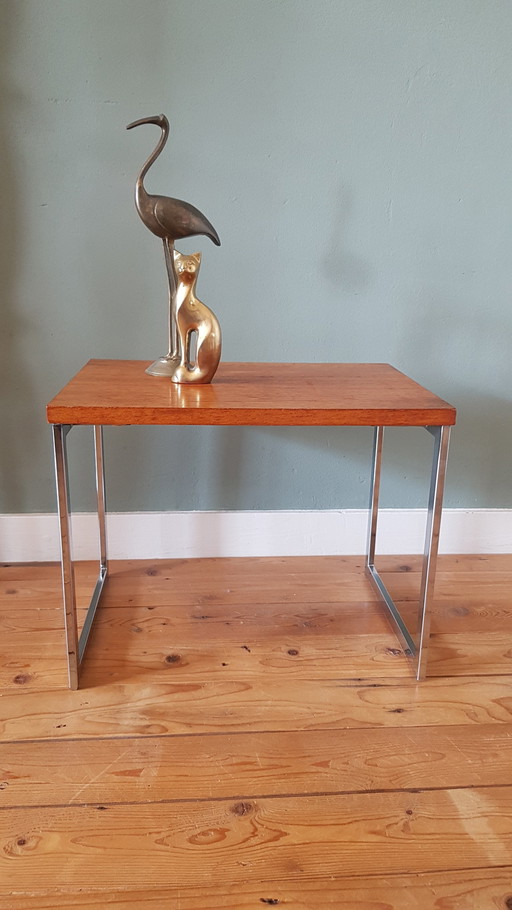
[[355, 157]]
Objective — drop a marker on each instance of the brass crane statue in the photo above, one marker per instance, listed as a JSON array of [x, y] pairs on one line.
[[173, 219]]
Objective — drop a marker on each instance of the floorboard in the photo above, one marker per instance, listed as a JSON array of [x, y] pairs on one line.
[[170, 768], [191, 842], [462, 890]]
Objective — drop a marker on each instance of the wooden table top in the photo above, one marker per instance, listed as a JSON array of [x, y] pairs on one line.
[[119, 393]]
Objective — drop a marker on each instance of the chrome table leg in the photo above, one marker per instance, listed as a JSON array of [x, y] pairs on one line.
[[378, 440], [435, 506], [414, 646], [76, 645], [68, 572]]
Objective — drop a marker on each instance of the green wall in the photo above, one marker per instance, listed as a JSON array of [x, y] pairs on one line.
[[355, 157]]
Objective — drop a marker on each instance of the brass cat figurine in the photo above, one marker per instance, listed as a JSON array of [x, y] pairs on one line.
[[198, 330]]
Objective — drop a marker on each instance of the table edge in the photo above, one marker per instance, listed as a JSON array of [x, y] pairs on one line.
[[91, 416]]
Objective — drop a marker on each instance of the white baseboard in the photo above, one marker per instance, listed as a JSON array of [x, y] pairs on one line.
[[181, 535]]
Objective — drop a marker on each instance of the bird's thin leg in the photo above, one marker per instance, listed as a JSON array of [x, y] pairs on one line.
[[173, 284]]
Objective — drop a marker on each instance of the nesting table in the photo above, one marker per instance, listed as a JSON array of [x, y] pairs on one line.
[[120, 393]]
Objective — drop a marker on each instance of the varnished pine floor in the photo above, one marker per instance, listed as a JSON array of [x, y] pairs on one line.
[[248, 734]]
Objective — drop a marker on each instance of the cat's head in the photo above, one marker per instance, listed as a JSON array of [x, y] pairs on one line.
[[186, 264]]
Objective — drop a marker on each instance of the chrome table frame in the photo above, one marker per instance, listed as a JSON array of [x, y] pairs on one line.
[[415, 647]]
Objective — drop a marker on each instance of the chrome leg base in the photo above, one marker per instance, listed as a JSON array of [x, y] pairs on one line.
[[415, 645], [76, 645], [91, 612]]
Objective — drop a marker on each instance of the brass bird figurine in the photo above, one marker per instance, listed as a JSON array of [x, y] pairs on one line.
[[171, 220]]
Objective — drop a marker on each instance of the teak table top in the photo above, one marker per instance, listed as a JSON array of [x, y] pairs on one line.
[[119, 392]]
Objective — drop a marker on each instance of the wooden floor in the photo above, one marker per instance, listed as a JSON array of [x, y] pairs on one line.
[[248, 734]]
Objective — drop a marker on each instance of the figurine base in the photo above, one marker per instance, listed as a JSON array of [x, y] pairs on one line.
[[164, 366], [172, 368]]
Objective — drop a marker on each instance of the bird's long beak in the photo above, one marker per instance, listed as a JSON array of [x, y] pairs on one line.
[[157, 120]]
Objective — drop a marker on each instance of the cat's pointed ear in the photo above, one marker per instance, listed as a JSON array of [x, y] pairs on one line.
[[176, 255], [198, 257]]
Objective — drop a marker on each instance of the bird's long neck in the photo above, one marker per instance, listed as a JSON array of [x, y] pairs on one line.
[[140, 191]]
